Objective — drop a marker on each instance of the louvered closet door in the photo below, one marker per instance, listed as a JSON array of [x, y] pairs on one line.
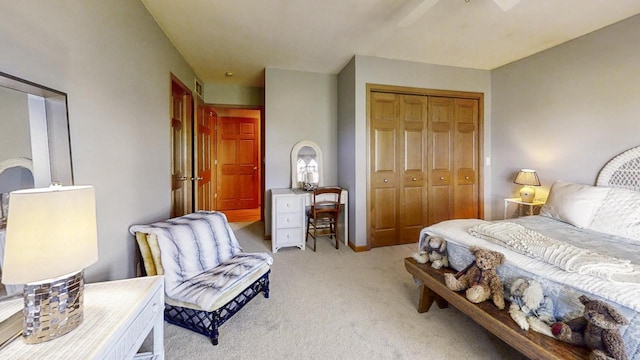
[[383, 181]]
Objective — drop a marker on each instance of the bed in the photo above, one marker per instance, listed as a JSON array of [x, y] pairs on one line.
[[586, 240]]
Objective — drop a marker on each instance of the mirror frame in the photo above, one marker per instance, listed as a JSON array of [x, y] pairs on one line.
[[60, 167], [294, 160]]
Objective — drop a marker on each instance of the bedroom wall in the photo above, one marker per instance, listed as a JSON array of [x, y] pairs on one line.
[[401, 73], [299, 106], [114, 63], [567, 110], [233, 95]]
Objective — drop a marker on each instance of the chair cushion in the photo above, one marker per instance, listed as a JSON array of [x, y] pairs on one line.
[[222, 297], [191, 244]]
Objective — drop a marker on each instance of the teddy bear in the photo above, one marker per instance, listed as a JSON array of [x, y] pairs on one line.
[[480, 279], [530, 308], [432, 249], [597, 329]]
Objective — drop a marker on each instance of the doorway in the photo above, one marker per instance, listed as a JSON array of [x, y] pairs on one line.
[[234, 172]]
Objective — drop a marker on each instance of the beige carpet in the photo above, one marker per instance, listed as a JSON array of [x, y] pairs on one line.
[[338, 304]]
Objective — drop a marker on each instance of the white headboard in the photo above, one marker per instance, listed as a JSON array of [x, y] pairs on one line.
[[623, 171]]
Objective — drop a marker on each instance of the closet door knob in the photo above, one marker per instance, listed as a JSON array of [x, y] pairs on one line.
[[386, 181], [414, 179], [466, 178], [441, 177]]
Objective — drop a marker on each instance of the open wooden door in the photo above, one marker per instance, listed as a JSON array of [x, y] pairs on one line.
[[181, 153], [204, 151]]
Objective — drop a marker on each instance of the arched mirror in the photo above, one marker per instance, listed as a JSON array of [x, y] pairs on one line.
[[306, 165], [34, 144]]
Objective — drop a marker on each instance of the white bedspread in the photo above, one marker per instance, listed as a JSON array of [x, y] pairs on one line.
[[457, 231], [555, 252]]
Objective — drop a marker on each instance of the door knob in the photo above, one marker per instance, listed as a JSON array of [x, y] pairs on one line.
[[255, 168], [196, 179], [182, 178], [466, 178], [385, 180], [414, 179], [441, 177]]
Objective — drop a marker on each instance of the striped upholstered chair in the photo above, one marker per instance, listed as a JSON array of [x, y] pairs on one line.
[[208, 278]]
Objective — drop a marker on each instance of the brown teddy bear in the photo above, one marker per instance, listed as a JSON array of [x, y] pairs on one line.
[[480, 278], [597, 329]]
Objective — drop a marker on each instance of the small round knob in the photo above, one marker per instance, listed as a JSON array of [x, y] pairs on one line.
[[414, 179], [441, 177], [466, 178], [385, 180]]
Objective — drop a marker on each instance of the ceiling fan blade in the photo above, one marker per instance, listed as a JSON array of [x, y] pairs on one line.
[[506, 4], [416, 13]]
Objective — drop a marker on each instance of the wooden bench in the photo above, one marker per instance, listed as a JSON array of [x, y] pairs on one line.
[[486, 314]]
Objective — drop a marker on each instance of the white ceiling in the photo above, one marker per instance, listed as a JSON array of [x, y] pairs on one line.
[[246, 36]]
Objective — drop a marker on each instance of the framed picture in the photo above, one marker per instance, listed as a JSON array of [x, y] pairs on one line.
[[198, 87]]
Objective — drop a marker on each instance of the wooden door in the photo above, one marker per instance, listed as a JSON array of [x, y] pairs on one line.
[[204, 152], [384, 174], [440, 150], [424, 153], [181, 152], [238, 168], [412, 150], [465, 159]]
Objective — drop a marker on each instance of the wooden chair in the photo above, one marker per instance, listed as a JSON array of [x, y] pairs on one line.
[[323, 214]]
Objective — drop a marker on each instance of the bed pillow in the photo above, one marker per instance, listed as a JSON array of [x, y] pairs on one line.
[[619, 214], [575, 204]]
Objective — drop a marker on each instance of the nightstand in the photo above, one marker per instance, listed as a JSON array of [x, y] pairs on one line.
[[524, 208]]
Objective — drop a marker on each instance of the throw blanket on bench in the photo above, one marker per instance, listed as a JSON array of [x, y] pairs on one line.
[[565, 256], [201, 256]]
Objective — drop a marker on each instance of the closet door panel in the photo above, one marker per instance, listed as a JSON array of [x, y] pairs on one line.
[[440, 150], [383, 181], [413, 204], [465, 201]]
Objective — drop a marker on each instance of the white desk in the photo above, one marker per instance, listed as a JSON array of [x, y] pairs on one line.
[[118, 315], [288, 225]]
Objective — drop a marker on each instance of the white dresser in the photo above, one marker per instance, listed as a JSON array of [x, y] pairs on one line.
[[287, 220], [118, 316]]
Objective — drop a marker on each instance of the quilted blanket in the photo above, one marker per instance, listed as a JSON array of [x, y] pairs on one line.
[[201, 256], [559, 253]]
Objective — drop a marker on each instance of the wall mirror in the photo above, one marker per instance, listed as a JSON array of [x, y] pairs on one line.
[[306, 165], [34, 144]]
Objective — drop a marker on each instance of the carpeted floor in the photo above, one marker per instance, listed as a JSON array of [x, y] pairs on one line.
[[338, 304]]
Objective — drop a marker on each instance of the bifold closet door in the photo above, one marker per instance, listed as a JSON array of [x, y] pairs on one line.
[[397, 180], [453, 158]]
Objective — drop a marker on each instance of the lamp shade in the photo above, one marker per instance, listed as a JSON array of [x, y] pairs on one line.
[[527, 177], [51, 232]]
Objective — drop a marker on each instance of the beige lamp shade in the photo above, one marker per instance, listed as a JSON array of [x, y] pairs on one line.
[[527, 177], [51, 232]]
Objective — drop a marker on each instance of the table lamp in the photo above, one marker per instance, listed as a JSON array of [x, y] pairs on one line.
[[529, 179], [51, 237]]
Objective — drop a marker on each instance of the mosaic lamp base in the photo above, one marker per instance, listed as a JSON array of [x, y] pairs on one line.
[[52, 308]]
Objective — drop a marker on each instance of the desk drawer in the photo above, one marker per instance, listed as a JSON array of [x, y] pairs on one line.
[[289, 237], [288, 220], [289, 204]]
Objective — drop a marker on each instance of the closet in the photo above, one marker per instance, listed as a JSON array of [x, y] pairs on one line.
[[424, 153]]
